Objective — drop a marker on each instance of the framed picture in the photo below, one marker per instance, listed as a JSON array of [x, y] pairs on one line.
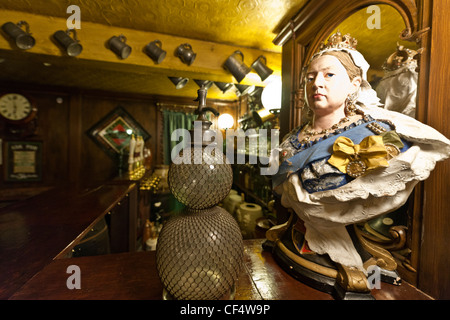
[[23, 160], [113, 132]]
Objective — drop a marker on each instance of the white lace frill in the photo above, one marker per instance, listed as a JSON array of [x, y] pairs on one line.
[[326, 213]]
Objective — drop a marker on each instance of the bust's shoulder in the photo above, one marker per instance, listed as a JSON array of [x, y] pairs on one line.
[[293, 133]]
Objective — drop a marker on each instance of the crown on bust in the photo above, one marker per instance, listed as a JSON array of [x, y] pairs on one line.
[[339, 41], [402, 57]]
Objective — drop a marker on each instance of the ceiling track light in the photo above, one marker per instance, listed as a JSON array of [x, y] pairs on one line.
[[204, 83], [22, 39], [244, 89], [223, 86], [179, 82]]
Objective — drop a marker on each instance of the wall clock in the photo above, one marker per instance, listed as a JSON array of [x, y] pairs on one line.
[[16, 108]]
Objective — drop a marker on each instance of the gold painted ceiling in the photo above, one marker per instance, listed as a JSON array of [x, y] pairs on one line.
[[241, 24], [215, 28], [247, 23]]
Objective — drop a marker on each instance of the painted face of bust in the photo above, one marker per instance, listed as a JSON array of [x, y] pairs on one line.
[[328, 85]]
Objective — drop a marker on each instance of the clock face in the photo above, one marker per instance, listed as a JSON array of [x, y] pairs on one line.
[[15, 107]]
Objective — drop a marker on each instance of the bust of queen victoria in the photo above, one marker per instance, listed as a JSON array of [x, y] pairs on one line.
[[351, 162]]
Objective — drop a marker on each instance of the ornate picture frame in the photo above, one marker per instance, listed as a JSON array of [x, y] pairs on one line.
[[113, 132]]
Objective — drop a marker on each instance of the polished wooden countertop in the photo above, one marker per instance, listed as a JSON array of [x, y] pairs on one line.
[[35, 231], [133, 276]]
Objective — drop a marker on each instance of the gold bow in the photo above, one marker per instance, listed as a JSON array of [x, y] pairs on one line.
[[371, 152]]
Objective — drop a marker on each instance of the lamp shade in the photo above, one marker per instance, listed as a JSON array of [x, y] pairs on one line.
[[223, 86], [271, 95], [244, 89], [226, 121], [203, 83], [179, 82]]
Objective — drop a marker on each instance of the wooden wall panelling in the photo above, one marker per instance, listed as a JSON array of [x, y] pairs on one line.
[[96, 164], [120, 226], [52, 127], [424, 21], [434, 277], [52, 124], [74, 132], [158, 156], [299, 109], [290, 115], [287, 92], [135, 223], [64, 117]]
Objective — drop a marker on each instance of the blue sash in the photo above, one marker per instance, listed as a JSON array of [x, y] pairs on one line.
[[323, 149]]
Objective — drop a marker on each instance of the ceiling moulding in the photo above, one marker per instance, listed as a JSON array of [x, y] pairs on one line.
[[93, 37]]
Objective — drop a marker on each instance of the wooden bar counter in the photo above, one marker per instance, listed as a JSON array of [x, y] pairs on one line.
[[37, 236], [37, 231], [133, 276]]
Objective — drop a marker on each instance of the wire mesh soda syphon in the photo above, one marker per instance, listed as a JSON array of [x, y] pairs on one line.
[[199, 251]]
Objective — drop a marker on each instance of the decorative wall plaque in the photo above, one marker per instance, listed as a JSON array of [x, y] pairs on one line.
[[23, 160], [113, 132]]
